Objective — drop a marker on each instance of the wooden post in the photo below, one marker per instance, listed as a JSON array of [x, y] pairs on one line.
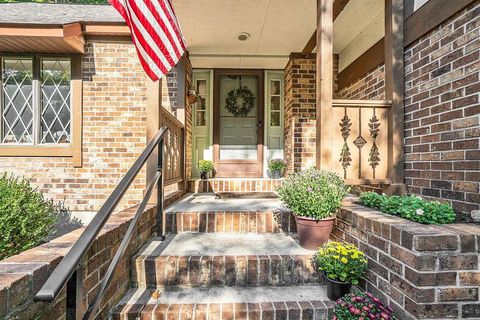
[[154, 102], [394, 91], [182, 90], [324, 129]]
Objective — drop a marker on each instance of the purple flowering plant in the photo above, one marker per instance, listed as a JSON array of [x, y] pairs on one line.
[[361, 306], [312, 193]]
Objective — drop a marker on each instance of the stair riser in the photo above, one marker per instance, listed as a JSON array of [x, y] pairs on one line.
[[293, 310], [235, 185], [231, 221], [225, 270]]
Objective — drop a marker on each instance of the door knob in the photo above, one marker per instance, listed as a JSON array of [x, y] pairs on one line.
[[259, 123]]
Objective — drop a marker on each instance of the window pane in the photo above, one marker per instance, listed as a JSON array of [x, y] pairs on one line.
[[275, 87], [275, 103], [56, 112], [275, 119], [16, 106]]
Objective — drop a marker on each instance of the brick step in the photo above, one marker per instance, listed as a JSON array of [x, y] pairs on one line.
[[234, 185], [239, 303], [238, 221], [204, 212], [204, 259]]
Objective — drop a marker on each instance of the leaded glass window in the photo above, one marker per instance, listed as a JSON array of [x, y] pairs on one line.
[[35, 101]]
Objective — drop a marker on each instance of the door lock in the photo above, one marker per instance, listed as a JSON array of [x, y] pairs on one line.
[[259, 123]]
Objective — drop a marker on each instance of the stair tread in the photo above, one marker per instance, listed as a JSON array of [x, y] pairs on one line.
[[225, 244], [219, 295], [209, 202]]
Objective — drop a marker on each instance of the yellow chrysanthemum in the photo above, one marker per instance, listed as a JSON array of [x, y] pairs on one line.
[[344, 260]]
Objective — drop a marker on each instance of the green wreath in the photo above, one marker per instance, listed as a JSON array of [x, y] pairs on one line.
[[231, 102]]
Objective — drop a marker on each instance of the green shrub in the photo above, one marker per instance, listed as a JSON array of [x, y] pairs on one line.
[[205, 165], [342, 262], [410, 207], [277, 165], [25, 216], [313, 193]]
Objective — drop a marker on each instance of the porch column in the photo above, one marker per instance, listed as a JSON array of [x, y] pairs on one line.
[[324, 88], [154, 103], [394, 91]]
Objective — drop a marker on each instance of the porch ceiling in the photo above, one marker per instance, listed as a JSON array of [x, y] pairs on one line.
[[277, 28]]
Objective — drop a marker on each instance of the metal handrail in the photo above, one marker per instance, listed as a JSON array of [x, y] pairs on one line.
[[72, 259]]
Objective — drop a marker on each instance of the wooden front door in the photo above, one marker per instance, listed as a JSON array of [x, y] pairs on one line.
[[238, 140]]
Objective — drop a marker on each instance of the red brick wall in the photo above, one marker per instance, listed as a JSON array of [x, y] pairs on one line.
[[442, 112], [370, 86], [114, 133], [300, 113]]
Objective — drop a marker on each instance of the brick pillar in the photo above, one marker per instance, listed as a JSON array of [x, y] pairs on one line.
[[300, 115], [300, 111]]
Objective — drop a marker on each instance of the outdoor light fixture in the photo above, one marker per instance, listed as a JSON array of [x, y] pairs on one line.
[[243, 36]]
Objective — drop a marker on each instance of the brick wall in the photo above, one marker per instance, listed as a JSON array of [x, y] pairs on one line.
[[422, 272], [300, 110], [442, 112], [188, 121], [21, 276], [371, 86], [300, 113], [114, 133]]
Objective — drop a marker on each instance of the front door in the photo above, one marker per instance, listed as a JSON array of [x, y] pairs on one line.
[[237, 133]]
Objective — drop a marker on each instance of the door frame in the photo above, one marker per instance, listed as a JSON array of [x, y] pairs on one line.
[[244, 165]]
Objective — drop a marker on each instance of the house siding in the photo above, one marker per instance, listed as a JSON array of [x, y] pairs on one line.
[[114, 134], [442, 112]]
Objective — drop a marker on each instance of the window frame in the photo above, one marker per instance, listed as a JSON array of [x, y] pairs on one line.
[[72, 149]]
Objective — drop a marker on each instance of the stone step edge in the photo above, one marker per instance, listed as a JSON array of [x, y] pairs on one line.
[[240, 221], [291, 310], [228, 270]]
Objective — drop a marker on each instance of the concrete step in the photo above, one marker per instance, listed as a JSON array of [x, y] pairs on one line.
[[287, 302], [207, 213], [234, 185], [224, 259]]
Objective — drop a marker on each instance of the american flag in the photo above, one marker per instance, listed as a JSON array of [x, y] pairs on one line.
[[155, 32]]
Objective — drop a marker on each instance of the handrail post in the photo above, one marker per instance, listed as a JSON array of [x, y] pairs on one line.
[[160, 232]]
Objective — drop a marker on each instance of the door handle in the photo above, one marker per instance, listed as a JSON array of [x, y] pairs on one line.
[[259, 123]]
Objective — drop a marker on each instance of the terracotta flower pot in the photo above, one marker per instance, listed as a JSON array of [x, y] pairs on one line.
[[313, 233]]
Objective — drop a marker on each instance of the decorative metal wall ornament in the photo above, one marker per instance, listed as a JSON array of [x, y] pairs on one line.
[[359, 142], [374, 156], [345, 158]]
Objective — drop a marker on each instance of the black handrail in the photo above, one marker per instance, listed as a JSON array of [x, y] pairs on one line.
[[72, 259]]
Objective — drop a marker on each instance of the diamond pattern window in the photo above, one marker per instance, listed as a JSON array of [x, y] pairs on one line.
[[35, 104], [17, 101]]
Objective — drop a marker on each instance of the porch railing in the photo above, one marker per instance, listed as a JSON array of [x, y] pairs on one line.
[[360, 141], [174, 148], [64, 271]]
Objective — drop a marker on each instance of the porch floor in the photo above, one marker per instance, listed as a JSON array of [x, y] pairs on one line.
[[209, 202]]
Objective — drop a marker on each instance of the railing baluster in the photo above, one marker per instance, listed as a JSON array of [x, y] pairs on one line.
[[160, 170]]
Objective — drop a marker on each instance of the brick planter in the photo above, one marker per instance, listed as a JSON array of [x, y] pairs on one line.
[[421, 271]]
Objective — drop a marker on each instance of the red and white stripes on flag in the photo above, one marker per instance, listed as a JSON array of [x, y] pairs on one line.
[[155, 32]]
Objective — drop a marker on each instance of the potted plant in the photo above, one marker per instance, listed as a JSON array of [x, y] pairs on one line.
[[343, 265], [361, 306], [205, 167], [314, 196], [277, 167]]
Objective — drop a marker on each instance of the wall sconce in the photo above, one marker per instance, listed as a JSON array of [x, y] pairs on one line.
[[192, 96]]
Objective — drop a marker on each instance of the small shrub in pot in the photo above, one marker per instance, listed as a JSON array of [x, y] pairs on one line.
[[343, 265], [314, 196], [26, 218], [277, 167], [205, 166]]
